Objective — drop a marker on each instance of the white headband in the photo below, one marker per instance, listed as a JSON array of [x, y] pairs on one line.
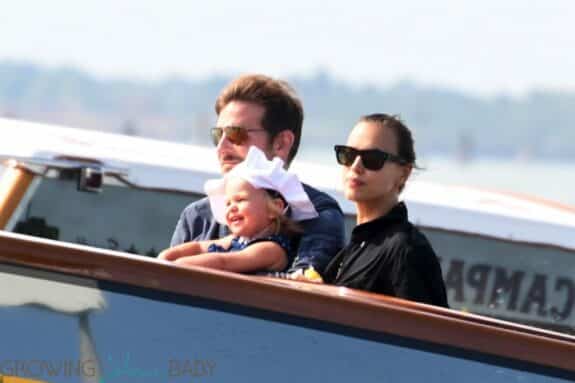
[[262, 173]]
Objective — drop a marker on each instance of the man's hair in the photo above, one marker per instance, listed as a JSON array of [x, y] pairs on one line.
[[405, 145], [283, 109]]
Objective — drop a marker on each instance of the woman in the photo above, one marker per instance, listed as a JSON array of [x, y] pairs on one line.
[[387, 254]]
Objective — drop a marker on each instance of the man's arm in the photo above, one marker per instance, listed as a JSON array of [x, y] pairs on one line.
[[182, 231], [197, 223], [323, 236]]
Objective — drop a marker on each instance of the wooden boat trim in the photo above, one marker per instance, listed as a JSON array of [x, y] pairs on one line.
[[13, 185], [329, 304]]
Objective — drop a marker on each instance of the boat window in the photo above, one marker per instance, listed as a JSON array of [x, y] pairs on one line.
[[112, 332], [523, 283], [118, 218]]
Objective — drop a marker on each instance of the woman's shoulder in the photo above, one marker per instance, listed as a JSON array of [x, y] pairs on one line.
[[414, 248], [408, 239]]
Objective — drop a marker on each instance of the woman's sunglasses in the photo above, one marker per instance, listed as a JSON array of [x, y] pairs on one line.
[[372, 159], [237, 135]]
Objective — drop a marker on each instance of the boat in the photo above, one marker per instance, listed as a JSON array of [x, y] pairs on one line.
[[83, 298]]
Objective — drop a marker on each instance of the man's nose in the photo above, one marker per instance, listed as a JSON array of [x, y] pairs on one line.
[[224, 142]]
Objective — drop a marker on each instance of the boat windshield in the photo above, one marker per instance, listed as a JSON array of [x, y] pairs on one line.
[[118, 217]]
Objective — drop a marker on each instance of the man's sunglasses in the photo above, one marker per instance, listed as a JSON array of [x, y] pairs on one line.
[[372, 159], [236, 134]]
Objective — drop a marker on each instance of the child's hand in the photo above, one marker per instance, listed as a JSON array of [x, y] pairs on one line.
[[168, 255], [308, 275]]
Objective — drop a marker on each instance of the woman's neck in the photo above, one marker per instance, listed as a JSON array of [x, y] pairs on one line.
[[370, 210]]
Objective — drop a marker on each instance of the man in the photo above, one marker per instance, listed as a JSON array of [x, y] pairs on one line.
[[264, 112]]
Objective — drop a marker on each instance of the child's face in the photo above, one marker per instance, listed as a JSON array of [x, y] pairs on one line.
[[247, 212]]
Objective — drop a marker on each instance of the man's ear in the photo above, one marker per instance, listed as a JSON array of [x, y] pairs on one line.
[[283, 143]]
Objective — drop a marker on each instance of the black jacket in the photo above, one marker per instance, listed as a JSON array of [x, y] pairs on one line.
[[390, 256]]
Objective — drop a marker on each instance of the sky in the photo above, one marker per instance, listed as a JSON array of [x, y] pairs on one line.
[[484, 47]]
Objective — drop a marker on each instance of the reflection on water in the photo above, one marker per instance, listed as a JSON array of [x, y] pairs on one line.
[[48, 295]]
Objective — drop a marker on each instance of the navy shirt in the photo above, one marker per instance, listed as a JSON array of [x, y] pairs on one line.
[[322, 237], [240, 243]]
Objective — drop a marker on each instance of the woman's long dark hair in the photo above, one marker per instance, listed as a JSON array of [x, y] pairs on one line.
[[405, 145]]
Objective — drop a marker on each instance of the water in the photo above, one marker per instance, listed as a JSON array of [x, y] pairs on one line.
[[548, 179], [552, 180]]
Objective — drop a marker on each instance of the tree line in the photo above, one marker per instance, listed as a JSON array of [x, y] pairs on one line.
[[539, 124]]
